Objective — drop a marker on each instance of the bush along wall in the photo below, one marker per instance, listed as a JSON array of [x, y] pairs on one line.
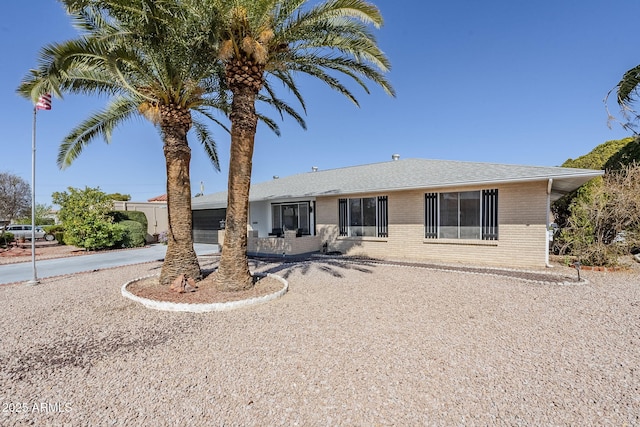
[[119, 216], [135, 234]]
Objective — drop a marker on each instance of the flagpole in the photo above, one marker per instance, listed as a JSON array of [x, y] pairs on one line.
[[44, 103], [34, 280]]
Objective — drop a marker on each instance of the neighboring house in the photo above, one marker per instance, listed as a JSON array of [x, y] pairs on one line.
[[53, 214], [155, 210], [414, 209], [162, 199]]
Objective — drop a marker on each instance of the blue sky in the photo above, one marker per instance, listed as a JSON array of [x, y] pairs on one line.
[[496, 81]]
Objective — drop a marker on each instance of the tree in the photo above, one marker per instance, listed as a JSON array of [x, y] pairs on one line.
[[600, 156], [156, 59], [276, 39], [43, 215], [87, 220], [119, 197], [605, 219], [153, 59], [626, 95], [15, 197], [610, 155]]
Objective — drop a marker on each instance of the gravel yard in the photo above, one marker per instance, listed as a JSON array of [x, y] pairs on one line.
[[349, 344], [44, 250]]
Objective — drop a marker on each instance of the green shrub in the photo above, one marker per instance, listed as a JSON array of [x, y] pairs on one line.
[[59, 235], [53, 229], [86, 219], [134, 235], [119, 216], [101, 236], [57, 231], [6, 239], [604, 219]]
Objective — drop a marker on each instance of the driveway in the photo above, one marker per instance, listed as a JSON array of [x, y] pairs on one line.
[[23, 271]]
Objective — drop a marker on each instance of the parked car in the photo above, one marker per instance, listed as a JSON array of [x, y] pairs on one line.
[[24, 231]]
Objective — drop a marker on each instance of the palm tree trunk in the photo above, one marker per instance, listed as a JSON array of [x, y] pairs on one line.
[[233, 273], [181, 257]]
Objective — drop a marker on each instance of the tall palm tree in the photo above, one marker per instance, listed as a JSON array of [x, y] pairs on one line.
[[626, 94], [272, 40], [151, 58]]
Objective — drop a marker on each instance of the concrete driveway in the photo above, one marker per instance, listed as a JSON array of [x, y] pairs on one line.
[[22, 272]]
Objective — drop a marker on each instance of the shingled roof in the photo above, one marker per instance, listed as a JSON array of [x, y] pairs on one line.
[[408, 174]]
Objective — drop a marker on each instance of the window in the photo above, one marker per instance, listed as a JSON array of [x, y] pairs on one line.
[[291, 216], [462, 215], [365, 216]]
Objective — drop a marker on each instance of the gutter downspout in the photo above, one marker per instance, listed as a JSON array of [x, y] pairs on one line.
[[546, 240]]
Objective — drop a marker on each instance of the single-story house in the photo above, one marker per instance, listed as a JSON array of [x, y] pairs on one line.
[[413, 209]]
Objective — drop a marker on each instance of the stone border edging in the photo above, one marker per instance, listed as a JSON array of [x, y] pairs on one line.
[[554, 278], [204, 308]]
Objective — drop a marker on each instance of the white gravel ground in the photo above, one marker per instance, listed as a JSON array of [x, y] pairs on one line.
[[349, 344]]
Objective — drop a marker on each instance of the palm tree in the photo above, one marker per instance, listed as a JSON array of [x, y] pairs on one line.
[[150, 57], [265, 40], [626, 94]]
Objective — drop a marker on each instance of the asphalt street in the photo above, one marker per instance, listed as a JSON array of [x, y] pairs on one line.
[[23, 271]]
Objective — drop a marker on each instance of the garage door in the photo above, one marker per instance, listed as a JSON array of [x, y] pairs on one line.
[[206, 223]]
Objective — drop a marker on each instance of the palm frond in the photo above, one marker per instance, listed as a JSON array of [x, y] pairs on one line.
[[628, 86], [286, 78], [205, 138], [211, 117], [271, 124], [100, 124], [626, 92], [281, 106]]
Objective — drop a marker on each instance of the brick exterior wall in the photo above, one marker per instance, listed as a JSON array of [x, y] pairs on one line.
[[522, 215]]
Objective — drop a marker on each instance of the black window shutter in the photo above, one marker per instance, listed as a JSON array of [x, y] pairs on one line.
[[431, 215], [490, 214], [383, 217], [343, 219]]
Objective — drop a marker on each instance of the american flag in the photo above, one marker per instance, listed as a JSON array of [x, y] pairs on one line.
[[44, 102]]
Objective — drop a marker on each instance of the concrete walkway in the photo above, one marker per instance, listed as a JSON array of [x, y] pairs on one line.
[[23, 272]]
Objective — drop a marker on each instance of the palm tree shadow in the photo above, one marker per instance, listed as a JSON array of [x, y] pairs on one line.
[[331, 266]]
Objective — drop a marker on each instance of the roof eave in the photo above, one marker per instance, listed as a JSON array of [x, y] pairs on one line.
[[587, 176]]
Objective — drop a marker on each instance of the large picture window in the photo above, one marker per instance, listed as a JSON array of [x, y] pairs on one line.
[[291, 216], [462, 215], [366, 216]]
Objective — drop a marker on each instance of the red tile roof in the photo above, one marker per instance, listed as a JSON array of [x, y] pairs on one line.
[[162, 198]]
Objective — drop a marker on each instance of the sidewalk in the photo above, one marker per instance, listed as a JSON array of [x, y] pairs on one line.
[[22, 272]]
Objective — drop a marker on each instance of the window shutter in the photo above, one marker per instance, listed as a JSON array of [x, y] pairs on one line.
[[343, 219], [383, 217], [431, 215], [490, 214]]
